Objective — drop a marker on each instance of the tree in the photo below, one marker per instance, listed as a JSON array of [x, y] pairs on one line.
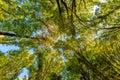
[[70, 39]]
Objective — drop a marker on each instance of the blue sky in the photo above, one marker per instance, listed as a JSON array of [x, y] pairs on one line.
[[24, 73], [6, 48]]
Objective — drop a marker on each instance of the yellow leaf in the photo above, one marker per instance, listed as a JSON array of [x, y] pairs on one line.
[[1, 37]]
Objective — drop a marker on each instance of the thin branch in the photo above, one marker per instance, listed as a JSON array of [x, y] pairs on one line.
[[110, 28], [51, 1], [8, 34], [58, 4], [104, 16], [65, 5], [15, 35], [7, 12], [84, 4]]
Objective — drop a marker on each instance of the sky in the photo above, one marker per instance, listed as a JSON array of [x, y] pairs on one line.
[[5, 48]]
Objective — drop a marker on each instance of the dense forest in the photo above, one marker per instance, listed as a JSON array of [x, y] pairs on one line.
[[60, 39]]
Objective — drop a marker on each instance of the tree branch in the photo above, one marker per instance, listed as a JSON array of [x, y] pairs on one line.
[[15, 35], [91, 66], [58, 4], [111, 28], [104, 16], [8, 34]]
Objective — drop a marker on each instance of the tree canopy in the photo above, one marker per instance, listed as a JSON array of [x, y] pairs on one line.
[[60, 39]]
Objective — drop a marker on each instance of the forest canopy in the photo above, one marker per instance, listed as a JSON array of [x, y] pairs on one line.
[[60, 39]]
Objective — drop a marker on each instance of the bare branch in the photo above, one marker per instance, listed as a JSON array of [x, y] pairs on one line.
[[65, 5], [111, 28], [58, 4], [15, 35]]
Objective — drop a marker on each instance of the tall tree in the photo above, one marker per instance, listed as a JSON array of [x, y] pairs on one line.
[[70, 39]]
